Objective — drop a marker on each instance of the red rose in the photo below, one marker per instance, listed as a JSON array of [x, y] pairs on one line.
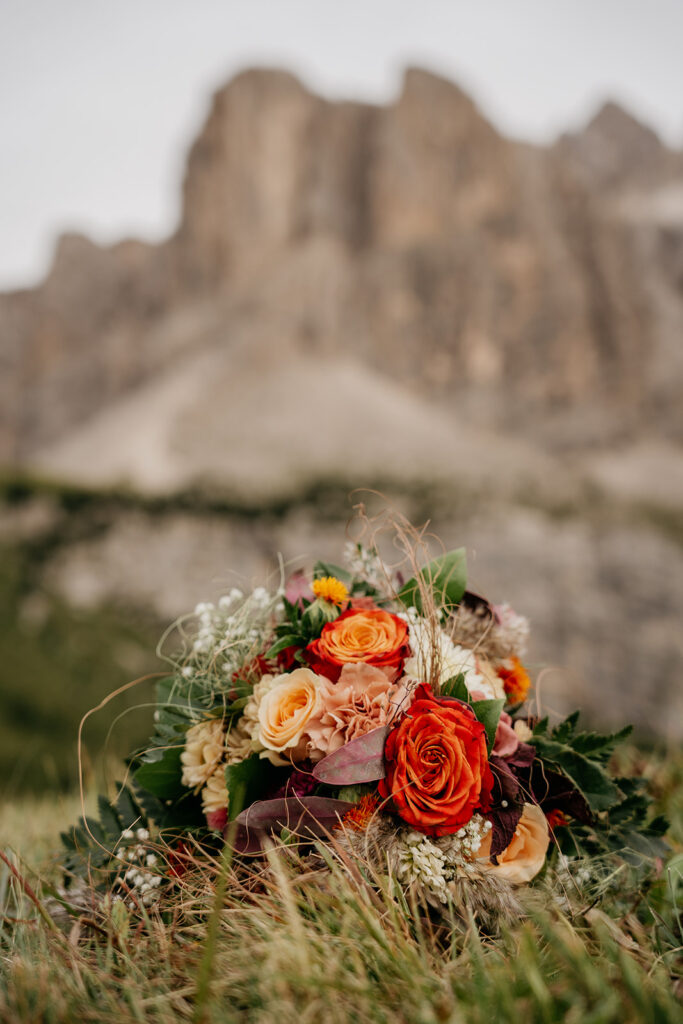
[[437, 769]]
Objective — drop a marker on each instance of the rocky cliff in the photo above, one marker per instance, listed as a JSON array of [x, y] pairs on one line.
[[511, 285]]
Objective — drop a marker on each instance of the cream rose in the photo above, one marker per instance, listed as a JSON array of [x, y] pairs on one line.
[[525, 856], [215, 792], [280, 709], [204, 750]]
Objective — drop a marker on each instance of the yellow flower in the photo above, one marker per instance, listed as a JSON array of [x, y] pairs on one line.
[[329, 588]]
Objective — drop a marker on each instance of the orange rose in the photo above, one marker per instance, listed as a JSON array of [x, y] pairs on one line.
[[372, 636], [525, 856], [437, 768]]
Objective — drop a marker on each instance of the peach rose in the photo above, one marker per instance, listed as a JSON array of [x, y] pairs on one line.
[[525, 856], [372, 636], [361, 700], [280, 709]]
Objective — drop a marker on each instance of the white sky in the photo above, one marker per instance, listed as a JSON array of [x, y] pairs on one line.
[[99, 99]]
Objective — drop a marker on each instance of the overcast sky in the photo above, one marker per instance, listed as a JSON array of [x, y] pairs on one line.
[[99, 100]]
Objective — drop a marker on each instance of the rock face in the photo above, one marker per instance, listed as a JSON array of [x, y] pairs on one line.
[[497, 279], [371, 294]]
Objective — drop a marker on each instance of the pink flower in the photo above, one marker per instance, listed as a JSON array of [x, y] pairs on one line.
[[507, 740], [361, 700], [298, 588]]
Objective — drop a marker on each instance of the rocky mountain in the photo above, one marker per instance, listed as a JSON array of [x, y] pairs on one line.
[[388, 296], [500, 281]]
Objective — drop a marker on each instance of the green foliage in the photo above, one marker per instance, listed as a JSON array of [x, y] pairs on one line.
[[160, 772], [488, 713], [246, 782], [444, 577], [622, 820], [455, 687], [588, 776], [91, 844], [303, 622]]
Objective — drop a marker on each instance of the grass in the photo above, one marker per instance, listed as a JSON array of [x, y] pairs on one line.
[[295, 943]]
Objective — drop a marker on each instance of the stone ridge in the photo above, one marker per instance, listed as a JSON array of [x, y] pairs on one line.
[[498, 280]]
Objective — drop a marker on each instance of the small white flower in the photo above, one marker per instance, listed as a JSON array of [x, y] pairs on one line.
[[142, 833]]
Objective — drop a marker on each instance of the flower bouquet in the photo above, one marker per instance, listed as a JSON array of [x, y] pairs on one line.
[[381, 712]]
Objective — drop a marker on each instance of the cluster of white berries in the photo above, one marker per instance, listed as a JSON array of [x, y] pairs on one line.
[[142, 881], [436, 862], [230, 631]]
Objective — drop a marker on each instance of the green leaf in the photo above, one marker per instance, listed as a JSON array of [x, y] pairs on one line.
[[455, 687], [445, 577], [488, 713], [565, 730], [162, 775], [599, 746], [589, 777], [246, 782], [108, 816], [126, 806], [282, 644]]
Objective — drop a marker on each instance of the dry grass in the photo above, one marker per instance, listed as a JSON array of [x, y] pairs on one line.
[[296, 943]]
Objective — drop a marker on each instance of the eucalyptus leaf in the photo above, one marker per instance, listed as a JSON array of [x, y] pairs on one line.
[[361, 760]]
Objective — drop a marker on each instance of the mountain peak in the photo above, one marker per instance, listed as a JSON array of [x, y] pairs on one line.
[[615, 148]]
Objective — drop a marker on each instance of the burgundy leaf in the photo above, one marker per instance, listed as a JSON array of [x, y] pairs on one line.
[[523, 756], [479, 606], [554, 791], [313, 814], [507, 805], [504, 821], [361, 760], [505, 782]]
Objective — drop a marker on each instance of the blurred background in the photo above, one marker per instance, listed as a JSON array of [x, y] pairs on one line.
[[257, 255]]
